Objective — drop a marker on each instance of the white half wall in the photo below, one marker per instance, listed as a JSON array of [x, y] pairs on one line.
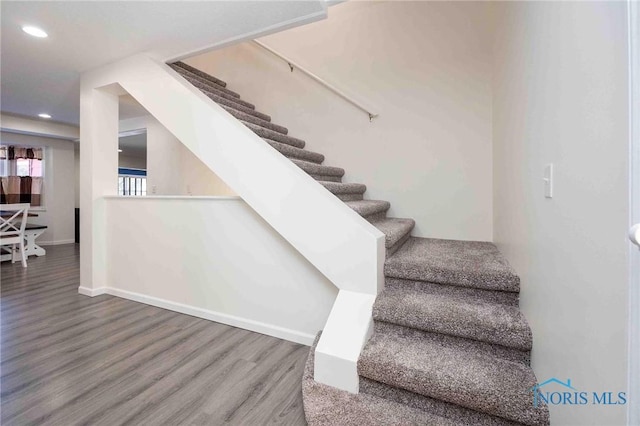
[[425, 67], [214, 258], [560, 96], [59, 186]]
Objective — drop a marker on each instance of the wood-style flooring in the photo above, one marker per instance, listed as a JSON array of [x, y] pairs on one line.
[[68, 359]]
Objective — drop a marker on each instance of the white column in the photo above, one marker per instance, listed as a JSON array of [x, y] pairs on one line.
[[98, 178]]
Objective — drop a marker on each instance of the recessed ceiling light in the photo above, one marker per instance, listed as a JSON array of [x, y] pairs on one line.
[[44, 115], [119, 150], [34, 31]]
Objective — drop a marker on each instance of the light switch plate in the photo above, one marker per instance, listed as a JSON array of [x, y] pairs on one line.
[[548, 181]]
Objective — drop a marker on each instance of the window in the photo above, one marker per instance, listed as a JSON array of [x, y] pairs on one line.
[[29, 167], [132, 182], [21, 175]]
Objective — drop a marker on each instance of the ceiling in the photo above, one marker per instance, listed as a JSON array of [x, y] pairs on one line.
[[42, 75]]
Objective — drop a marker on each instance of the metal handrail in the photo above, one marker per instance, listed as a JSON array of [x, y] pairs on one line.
[[293, 65]]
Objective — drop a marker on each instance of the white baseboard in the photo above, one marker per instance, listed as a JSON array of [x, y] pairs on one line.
[[55, 243], [232, 320], [91, 292]]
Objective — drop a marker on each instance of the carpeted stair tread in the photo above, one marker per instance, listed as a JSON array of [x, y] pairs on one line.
[[397, 357], [471, 294], [366, 208], [345, 188], [476, 347], [461, 415], [328, 406], [257, 121], [394, 229], [210, 89], [203, 80], [209, 83], [296, 153], [455, 316], [464, 263], [274, 136], [325, 178], [227, 105], [200, 73], [345, 191], [266, 124], [318, 169]]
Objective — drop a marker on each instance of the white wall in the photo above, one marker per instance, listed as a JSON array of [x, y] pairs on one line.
[[560, 96], [424, 66], [132, 161], [59, 186], [171, 168], [174, 170], [228, 265]]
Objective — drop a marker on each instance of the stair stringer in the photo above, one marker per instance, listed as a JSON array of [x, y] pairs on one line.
[[342, 245]]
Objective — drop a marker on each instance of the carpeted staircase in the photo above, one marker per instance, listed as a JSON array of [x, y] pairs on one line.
[[450, 346]]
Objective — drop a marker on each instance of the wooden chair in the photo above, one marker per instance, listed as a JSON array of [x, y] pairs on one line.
[[12, 232]]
